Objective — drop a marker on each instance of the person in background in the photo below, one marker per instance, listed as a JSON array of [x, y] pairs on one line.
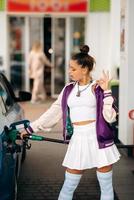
[[37, 62], [91, 142]]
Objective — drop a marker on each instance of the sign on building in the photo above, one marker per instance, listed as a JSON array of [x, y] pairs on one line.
[[47, 5], [2, 5], [99, 5]]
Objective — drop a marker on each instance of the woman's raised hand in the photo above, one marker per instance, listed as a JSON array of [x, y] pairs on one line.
[[104, 81]]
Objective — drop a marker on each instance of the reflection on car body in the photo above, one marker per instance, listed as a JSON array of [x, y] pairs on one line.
[[10, 158]]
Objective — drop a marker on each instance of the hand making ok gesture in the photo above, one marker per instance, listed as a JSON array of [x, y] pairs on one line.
[[104, 81]]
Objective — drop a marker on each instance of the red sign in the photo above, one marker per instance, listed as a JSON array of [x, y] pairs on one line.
[[47, 5]]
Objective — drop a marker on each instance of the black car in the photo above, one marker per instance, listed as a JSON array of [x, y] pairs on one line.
[[11, 153]]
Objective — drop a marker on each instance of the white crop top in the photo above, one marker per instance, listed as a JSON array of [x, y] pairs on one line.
[[82, 108]]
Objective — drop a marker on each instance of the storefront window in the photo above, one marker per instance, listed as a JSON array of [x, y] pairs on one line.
[[77, 34], [16, 51], [59, 54], [36, 31]]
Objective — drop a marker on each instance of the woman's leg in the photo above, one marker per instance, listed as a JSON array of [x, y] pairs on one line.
[[42, 93], [72, 179], [35, 90], [104, 175]]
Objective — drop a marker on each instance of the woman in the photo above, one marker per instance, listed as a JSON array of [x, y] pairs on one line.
[[77, 105], [37, 62]]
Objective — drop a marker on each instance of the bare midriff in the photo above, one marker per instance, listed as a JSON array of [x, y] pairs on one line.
[[83, 122]]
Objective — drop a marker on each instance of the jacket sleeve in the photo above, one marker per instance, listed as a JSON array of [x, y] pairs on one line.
[[48, 119], [109, 113]]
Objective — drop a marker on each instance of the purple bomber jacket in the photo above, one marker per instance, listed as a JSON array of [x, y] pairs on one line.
[[104, 131]]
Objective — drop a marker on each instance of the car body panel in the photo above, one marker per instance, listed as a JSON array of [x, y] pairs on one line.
[[10, 160]]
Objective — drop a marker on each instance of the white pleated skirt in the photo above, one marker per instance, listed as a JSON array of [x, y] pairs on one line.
[[83, 151]]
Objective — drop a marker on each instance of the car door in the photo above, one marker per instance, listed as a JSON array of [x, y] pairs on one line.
[[7, 160], [10, 112]]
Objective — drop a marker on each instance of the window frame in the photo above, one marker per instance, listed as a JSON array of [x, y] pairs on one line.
[[7, 88]]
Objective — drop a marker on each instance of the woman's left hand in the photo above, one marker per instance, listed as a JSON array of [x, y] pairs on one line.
[[104, 81]]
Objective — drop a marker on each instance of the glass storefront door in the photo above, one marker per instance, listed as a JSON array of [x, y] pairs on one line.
[[35, 30], [35, 34], [17, 52], [60, 36], [58, 45], [68, 36], [21, 37], [51, 33], [77, 33], [40, 30]]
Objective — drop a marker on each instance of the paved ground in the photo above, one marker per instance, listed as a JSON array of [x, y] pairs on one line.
[[42, 174]]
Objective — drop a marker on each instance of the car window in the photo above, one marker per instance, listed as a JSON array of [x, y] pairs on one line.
[[5, 97]]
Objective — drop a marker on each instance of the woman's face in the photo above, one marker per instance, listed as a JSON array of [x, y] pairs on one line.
[[76, 72]]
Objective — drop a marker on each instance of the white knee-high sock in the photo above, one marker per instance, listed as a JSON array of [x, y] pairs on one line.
[[106, 186], [70, 184]]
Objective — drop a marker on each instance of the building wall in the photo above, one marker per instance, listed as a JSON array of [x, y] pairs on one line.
[[115, 37], [103, 37], [126, 96], [98, 39]]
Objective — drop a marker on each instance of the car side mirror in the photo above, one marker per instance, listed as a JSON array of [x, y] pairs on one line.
[[23, 96]]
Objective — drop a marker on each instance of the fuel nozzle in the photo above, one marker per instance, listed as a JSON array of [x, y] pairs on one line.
[[11, 134], [34, 137], [14, 131]]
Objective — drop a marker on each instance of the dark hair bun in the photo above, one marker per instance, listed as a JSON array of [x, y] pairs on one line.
[[84, 49]]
